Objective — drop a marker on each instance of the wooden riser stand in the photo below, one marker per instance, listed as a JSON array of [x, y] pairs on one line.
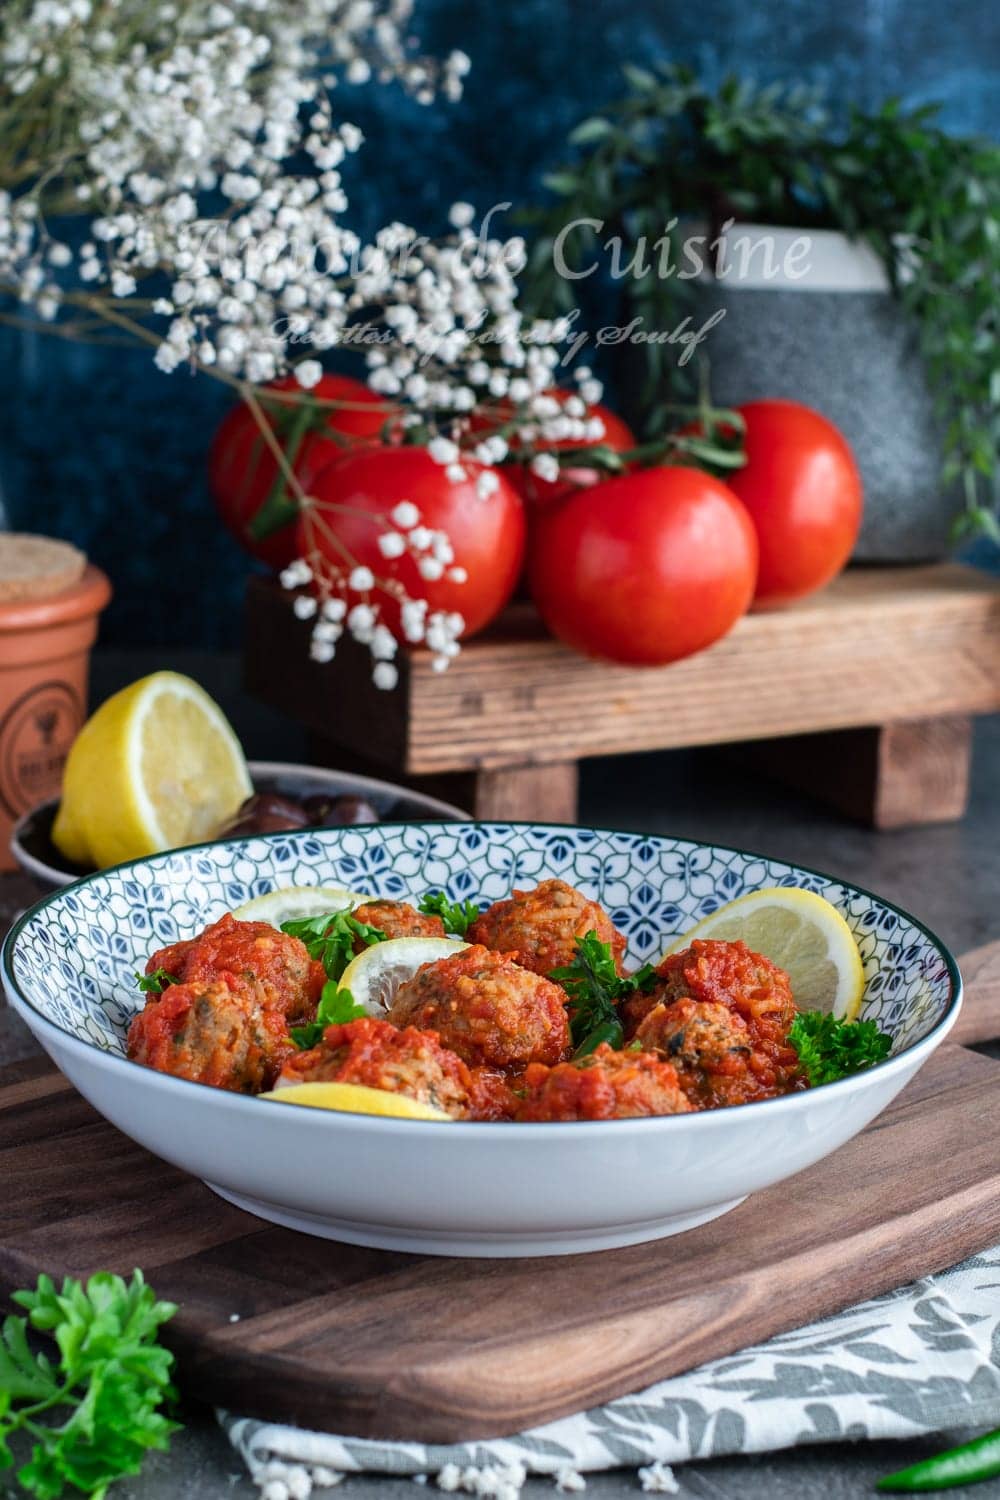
[[863, 694]]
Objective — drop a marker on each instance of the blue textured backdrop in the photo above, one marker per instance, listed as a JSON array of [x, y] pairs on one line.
[[98, 447]]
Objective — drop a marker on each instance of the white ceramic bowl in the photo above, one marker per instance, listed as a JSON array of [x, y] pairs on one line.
[[458, 1188]]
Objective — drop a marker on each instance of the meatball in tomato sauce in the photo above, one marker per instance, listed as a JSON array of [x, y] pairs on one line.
[[253, 957], [729, 974], [541, 927], [397, 919], [487, 1008], [377, 1055], [206, 1032], [711, 1048], [605, 1086]]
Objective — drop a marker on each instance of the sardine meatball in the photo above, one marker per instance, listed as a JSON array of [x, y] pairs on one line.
[[710, 1047], [377, 1055], [605, 1086], [540, 927], [206, 1032], [252, 956], [397, 919], [726, 974], [487, 1008]]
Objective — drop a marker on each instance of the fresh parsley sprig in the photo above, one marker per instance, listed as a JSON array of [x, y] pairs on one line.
[[336, 1006], [111, 1379], [330, 938], [830, 1049], [595, 989], [456, 915], [155, 983]]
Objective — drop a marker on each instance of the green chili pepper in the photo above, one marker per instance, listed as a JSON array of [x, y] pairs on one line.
[[973, 1461]]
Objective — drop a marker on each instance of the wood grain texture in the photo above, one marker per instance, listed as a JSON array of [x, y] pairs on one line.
[[878, 646], [889, 776], [923, 772], [533, 794], [375, 1344], [979, 1018]]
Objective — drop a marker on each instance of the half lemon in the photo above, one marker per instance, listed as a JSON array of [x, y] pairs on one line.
[[356, 1099], [156, 767], [377, 973], [800, 932], [296, 903]]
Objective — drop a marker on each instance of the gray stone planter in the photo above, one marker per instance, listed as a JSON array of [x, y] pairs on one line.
[[832, 336]]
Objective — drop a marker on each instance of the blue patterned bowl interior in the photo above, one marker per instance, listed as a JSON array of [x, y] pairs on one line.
[[73, 957]]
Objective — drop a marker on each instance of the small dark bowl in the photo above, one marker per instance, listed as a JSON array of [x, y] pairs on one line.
[[31, 839]]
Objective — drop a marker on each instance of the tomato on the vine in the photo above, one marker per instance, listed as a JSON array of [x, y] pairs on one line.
[[354, 500], [536, 491], [803, 491], [645, 568], [242, 470]]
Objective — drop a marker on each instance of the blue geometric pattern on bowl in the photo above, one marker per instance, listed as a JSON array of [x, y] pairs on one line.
[[75, 955]]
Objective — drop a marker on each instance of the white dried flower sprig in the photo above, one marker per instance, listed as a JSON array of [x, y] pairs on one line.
[[341, 597], [166, 106]]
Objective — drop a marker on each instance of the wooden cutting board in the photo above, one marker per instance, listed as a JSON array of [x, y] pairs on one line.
[[374, 1344]]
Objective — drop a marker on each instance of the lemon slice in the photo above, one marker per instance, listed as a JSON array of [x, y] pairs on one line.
[[801, 933], [157, 766], [356, 1099], [376, 974], [293, 903]]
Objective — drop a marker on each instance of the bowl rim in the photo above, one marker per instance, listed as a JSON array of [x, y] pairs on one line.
[[917, 1051], [56, 874]]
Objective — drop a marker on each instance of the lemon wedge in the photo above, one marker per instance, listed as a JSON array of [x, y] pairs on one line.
[[156, 767], [294, 903], [376, 974], [356, 1099], [801, 933]]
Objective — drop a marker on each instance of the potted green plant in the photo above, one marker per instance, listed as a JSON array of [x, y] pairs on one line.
[[855, 267]]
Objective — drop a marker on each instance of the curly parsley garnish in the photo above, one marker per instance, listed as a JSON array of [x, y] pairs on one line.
[[830, 1049], [456, 915], [108, 1384], [336, 1007], [155, 983], [595, 989], [330, 938]]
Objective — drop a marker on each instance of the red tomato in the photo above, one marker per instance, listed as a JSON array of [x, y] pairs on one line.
[[617, 435], [645, 568], [803, 491], [242, 470], [487, 536]]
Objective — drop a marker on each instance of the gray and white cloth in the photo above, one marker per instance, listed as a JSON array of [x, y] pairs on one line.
[[921, 1359]]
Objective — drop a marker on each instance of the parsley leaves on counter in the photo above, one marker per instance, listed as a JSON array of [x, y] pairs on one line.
[[155, 983], [336, 1006], [830, 1049], [111, 1378], [330, 938], [595, 987], [456, 915]]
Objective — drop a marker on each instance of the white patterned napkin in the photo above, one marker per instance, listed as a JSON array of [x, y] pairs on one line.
[[921, 1359]]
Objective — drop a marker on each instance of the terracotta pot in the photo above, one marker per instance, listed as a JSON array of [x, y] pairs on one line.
[[44, 664]]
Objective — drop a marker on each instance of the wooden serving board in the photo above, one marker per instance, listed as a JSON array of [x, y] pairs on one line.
[[374, 1344], [887, 664]]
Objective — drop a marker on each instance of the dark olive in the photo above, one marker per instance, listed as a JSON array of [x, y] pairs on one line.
[[340, 812], [317, 807], [266, 812], [262, 823]]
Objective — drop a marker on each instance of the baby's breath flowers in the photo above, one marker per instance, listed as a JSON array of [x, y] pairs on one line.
[[143, 116]]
